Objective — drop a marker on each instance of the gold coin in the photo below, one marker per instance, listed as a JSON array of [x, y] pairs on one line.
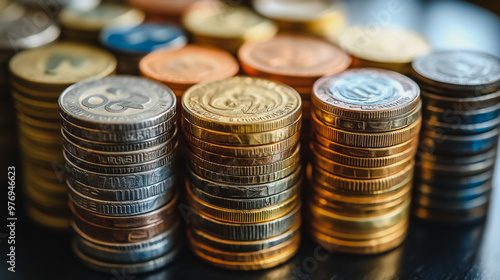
[[57, 66], [248, 139], [241, 105], [242, 216], [99, 17], [387, 45], [366, 140]]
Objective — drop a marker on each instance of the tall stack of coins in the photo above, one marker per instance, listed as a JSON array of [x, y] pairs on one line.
[[218, 25], [84, 25], [244, 172], [391, 48], [161, 10], [324, 18], [119, 138], [460, 90], [366, 124], [190, 65], [131, 43], [38, 78]]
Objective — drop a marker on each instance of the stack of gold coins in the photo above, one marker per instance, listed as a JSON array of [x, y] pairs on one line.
[[324, 18], [244, 172], [84, 25], [161, 10], [456, 160], [38, 78], [185, 67], [391, 48], [218, 25], [131, 43], [366, 124], [119, 139]]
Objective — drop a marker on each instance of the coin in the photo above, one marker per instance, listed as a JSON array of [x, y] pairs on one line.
[[241, 105], [292, 59], [187, 66], [366, 94], [465, 73], [462, 145]]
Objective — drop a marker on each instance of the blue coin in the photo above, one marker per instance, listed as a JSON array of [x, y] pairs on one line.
[[143, 38]]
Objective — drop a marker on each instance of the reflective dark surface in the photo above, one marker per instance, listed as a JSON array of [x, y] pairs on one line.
[[431, 251]]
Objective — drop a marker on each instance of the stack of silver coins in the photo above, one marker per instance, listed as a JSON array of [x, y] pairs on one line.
[[119, 139], [458, 149], [131, 43]]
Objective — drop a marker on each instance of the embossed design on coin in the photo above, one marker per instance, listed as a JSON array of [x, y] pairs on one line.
[[366, 90], [56, 60]]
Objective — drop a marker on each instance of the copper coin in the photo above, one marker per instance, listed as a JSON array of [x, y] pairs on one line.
[[189, 65]]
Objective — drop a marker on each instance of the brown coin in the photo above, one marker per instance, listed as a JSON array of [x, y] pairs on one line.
[[189, 65], [293, 59]]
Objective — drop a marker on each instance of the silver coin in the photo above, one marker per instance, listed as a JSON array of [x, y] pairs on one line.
[[141, 267], [456, 71], [453, 181], [119, 147], [451, 205], [245, 203], [437, 192], [125, 194], [117, 103], [166, 161], [123, 158], [119, 181], [131, 252], [121, 208], [120, 136], [469, 116], [461, 103], [460, 145], [457, 128], [245, 191], [245, 231]]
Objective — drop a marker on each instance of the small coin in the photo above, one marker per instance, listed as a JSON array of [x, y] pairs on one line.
[[388, 45], [460, 73], [366, 94], [187, 66], [241, 105], [292, 59], [239, 139]]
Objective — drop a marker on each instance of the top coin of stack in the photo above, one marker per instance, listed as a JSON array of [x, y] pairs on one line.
[[218, 25], [324, 18], [460, 90], [38, 78], [391, 48], [161, 10], [84, 25], [119, 139], [131, 43], [244, 171], [366, 124]]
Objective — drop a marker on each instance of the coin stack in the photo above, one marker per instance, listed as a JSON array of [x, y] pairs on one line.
[[391, 48], [324, 18], [161, 11], [460, 90], [119, 139], [84, 25], [222, 26], [366, 124], [131, 43], [244, 172], [185, 67], [38, 78]]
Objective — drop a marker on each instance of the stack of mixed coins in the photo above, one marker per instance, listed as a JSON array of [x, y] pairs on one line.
[[460, 90], [131, 43], [366, 124], [324, 18], [391, 48], [84, 25], [161, 10], [218, 25], [244, 172], [38, 78], [119, 139], [190, 65]]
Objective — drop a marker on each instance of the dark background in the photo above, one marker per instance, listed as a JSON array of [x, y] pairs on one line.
[[432, 251]]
